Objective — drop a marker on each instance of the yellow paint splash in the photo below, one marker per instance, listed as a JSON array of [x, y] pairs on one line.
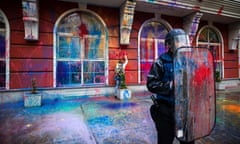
[[232, 108]]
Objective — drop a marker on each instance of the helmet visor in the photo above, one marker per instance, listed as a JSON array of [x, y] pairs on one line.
[[181, 40]]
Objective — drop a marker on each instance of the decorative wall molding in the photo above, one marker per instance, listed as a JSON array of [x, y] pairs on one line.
[[30, 19], [126, 20], [234, 36], [190, 24]]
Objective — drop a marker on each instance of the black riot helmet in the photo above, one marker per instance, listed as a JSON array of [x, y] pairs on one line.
[[176, 38]]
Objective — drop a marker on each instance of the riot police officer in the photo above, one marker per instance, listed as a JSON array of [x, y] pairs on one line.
[[160, 82]]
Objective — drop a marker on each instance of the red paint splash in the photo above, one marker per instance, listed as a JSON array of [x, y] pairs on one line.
[[83, 31], [201, 74], [196, 8], [220, 10]]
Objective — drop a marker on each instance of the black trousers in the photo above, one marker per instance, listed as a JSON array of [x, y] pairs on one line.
[[163, 117]]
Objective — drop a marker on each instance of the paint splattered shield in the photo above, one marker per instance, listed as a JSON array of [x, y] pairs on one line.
[[195, 99]]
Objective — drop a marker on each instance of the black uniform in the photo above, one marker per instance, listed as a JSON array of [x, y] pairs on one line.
[[159, 81]]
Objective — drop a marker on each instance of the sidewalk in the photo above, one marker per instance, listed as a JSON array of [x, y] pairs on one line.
[[104, 120]]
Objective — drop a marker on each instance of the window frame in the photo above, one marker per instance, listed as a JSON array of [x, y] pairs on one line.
[[168, 27], [82, 59], [7, 50], [219, 62]]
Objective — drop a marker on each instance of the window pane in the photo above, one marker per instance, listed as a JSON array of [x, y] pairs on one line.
[[88, 78], [93, 78], [161, 31], [93, 66], [2, 53], [147, 49], [154, 29], [161, 47], [69, 47], [75, 48], [63, 49], [94, 48], [2, 45], [215, 51], [213, 37], [93, 72], [99, 78], [203, 37], [145, 67], [2, 74], [2, 80], [68, 72]]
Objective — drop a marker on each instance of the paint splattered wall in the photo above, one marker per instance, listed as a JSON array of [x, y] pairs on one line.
[[230, 57], [34, 59], [115, 50], [231, 68]]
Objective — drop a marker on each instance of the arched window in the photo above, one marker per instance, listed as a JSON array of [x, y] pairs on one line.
[[4, 52], [150, 45], [211, 38], [80, 50]]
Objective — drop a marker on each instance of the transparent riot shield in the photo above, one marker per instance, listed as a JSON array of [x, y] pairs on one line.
[[195, 99]]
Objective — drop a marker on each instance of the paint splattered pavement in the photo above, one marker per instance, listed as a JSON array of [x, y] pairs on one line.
[[104, 120]]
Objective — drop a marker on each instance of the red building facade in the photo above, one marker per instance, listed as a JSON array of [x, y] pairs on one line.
[[77, 45]]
